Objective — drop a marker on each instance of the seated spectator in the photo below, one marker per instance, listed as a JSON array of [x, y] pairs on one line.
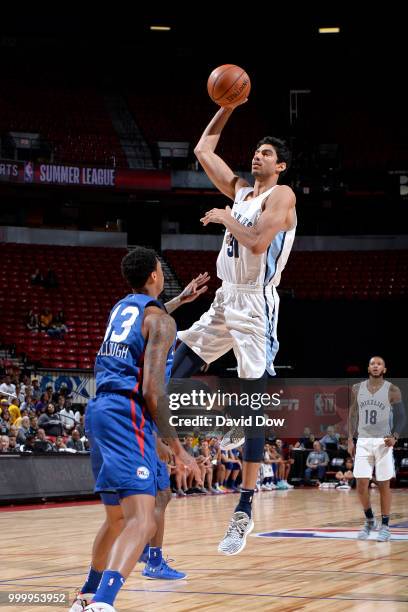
[[316, 463], [37, 278], [13, 446], [60, 317], [59, 444], [28, 446], [45, 319], [304, 440], [5, 422], [342, 449], [24, 430], [4, 444], [218, 465], [66, 414], [57, 330], [42, 444], [7, 387], [284, 465], [233, 467], [75, 442], [204, 461], [32, 321], [51, 422], [345, 475], [43, 402], [330, 438], [23, 413], [33, 424]]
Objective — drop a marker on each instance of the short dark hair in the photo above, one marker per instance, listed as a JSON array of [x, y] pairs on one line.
[[138, 265], [282, 150]]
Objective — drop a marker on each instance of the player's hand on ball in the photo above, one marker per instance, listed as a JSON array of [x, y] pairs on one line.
[[195, 288], [389, 441], [216, 215]]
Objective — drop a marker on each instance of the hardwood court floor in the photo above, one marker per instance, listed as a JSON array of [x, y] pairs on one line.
[[48, 549]]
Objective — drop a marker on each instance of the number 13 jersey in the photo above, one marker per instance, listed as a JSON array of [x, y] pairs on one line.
[[119, 362]]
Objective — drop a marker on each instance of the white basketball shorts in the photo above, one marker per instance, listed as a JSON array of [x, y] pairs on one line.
[[370, 453], [243, 318]]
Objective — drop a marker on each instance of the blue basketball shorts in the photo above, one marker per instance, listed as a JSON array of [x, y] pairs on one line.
[[123, 447]]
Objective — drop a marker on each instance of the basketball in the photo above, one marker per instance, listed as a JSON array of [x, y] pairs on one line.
[[228, 84]]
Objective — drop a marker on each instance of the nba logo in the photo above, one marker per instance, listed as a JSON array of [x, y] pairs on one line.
[[324, 403], [28, 172]]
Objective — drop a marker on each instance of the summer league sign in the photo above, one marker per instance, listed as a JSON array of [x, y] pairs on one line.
[[83, 176]]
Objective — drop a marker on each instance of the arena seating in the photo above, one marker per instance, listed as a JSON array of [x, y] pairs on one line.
[[320, 275], [74, 122], [89, 284]]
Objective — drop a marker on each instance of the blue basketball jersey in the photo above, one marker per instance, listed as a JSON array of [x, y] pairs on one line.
[[119, 362]]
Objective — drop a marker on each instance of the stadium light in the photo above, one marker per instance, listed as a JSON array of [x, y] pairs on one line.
[[157, 28], [329, 30]]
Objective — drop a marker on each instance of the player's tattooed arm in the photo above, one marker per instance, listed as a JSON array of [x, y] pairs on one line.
[[191, 292]]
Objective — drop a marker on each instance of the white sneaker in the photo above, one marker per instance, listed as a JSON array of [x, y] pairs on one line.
[[99, 606], [81, 601], [235, 537], [232, 439], [369, 526]]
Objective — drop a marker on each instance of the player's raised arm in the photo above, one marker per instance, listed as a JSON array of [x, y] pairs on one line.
[[215, 168]]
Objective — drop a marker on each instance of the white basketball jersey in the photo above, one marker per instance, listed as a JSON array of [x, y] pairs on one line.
[[374, 411], [236, 264]]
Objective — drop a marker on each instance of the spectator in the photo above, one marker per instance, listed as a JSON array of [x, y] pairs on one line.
[[51, 422], [42, 444], [28, 446], [233, 468], [60, 317], [75, 442], [37, 278], [284, 465], [302, 442], [342, 449], [32, 322], [4, 420], [219, 466], [345, 475], [59, 444], [35, 390], [330, 438], [14, 411], [204, 460], [33, 424], [67, 415], [17, 422], [24, 430], [4, 444], [28, 404], [7, 387], [316, 463], [45, 319], [43, 402], [13, 446]]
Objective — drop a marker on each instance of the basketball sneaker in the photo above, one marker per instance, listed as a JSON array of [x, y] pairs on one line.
[[162, 572], [235, 537], [144, 557], [369, 526], [233, 438], [384, 535], [81, 601]]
